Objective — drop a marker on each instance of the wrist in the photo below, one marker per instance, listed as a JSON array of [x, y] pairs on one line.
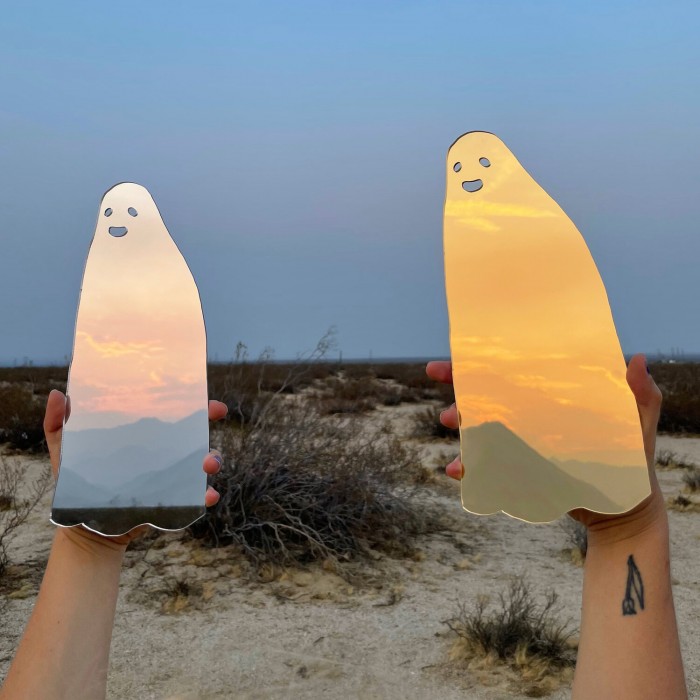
[[648, 519], [90, 544]]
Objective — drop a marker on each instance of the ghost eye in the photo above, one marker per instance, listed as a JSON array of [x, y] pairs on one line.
[[132, 211], [457, 167], [485, 162], [108, 212]]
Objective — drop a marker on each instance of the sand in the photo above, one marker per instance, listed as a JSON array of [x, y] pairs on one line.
[[311, 634]]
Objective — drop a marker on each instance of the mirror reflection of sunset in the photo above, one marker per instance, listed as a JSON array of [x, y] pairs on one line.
[[534, 348], [132, 447], [131, 357]]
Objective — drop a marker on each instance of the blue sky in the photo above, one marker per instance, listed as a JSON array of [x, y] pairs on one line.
[[296, 152]]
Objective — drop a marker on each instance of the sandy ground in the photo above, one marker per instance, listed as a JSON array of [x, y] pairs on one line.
[[311, 634]]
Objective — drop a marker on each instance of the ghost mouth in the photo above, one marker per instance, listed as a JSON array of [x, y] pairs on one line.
[[118, 231], [472, 185]]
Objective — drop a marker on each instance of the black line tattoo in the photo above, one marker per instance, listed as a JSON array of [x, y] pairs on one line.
[[634, 586]]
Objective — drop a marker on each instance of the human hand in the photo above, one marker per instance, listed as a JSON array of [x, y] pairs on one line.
[[601, 527], [58, 409]]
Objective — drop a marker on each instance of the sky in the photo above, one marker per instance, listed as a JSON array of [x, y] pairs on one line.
[[296, 152]]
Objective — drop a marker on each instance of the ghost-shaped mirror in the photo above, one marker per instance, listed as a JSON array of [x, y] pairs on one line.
[[138, 430], [547, 421]]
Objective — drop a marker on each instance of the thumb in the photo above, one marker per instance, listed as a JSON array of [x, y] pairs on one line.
[[57, 412], [648, 397]]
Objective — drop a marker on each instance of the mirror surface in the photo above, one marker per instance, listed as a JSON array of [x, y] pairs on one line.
[[133, 445], [547, 421]]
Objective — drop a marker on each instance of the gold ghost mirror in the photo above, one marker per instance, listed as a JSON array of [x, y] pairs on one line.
[[547, 421], [138, 429]]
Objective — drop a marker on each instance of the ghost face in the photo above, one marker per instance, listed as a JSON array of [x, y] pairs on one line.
[[128, 207]]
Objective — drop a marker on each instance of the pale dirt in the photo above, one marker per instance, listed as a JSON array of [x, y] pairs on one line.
[[311, 634]]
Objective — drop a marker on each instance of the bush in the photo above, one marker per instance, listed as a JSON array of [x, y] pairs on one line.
[[667, 459], [680, 385], [298, 486], [246, 387], [15, 506], [517, 632], [681, 503], [691, 479]]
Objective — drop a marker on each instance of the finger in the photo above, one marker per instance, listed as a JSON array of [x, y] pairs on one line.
[[211, 498], [217, 410], [450, 418], [212, 462], [440, 371], [454, 469]]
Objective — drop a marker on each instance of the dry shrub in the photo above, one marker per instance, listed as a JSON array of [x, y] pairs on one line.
[[667, 459], [246, 386], [682, 504], [416, 385], [517, 633], [691, 479], [298, 486], [427, 425], [18, 496], [342, 394]]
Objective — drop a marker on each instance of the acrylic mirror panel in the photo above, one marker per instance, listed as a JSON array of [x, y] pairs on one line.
[[138, 429], [547, 421]]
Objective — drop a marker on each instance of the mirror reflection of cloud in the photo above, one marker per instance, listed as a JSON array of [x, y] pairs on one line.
[[532, 337], [140, 346], [483, 216]]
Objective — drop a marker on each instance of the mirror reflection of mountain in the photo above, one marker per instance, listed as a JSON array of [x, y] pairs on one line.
[[502, 472], [150, 461]]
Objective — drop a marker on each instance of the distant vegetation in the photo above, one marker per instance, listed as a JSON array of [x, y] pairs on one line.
[[338, 388], [680, 385]]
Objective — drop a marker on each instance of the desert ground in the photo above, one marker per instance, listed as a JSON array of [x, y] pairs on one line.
[[196, 622]]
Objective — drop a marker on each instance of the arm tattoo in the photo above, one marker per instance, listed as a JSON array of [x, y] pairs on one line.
[[634, 588]]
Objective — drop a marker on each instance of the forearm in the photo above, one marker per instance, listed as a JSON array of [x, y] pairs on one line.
[[64, 652], [629, 640]]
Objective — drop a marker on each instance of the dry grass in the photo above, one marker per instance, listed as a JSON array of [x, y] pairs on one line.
[[519, 635], [683, 504], [667, 459]]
